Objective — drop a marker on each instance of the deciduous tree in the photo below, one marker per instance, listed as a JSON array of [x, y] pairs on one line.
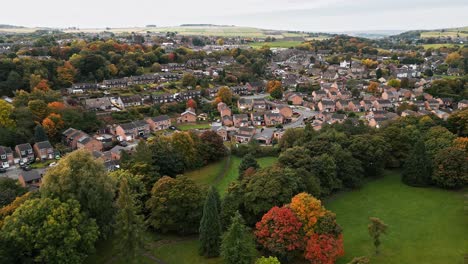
[[308, 210], [417, 168], [451, 168], [6, 111], [324, 248], [376, 228]]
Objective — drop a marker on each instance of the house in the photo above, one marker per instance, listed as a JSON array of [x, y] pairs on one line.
[[264, 136], [159, 122], [6, 157], [244, 104], [25, 152], [240, 90], [31, 179], [129, 101], [244, 134], [227, 121], [285, 111], [366, 105], [295, 99], [220, 130], [162, 98], [189, 116], [319, 95], [462, 104], [98, 104], [432, 104], [259, 105], [337, 118], [132, 130], [89, 143], [391, 96], [377, 122], [77, 139], [44, 150], [382, 104], [224, 110], [327, 106], [273, 119], [240, 120], [257, 118]]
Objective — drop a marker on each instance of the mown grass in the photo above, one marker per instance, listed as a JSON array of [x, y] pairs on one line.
[[190, 126], [426, 225], [275, 44], [436, 46], [207, 174]]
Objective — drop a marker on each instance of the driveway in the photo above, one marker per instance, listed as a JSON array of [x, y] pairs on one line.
[[14, 172]]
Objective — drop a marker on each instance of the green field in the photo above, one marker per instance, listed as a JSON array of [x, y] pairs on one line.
[[190, 126], [436, 46], [275, 44], [426, 225], [207, 175], [450, 32]]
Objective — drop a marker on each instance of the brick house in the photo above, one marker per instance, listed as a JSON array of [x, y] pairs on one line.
[[224, 110], [189, 116], [44, 150], [244, 104], [159, 122], [257, 118], [132, 130], [327, 106], [244, 134], [6, 157], [295, 99], [227, 121], [240, 120], [25, 152], [31, 179], [273, 119], [89, 143], [285, 111]]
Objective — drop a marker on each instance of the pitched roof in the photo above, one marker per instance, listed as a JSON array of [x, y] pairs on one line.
[[44, 145], [30, 175]]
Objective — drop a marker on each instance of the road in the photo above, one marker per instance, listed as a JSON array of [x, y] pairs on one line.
[[304, 112], [14, 172]]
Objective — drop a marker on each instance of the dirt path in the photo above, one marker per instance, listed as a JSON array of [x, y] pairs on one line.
[[223, 172]]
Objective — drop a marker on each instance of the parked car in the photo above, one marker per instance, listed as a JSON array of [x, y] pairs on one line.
[[26, 167], [53, 164], [2, 170]]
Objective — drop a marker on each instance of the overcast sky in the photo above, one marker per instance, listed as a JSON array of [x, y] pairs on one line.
[[308, 15]]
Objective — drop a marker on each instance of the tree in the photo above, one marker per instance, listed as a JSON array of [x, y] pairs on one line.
[[417, 168], [184, 145], [248, 161], [451, 168], [279, 232], [66, 74], [362, 145], [376, 228], [438, 138], [9, 190], [277, 93], [49, 231], [6, 111], [324, 168], [53, 123], [191, 103], [373, 87], [39, 134], [324, 249], [225, 95], [394, 83], [238, 246], [212, 147], [458, 122], [189, 80], [210, 226], [42, 86], [175, 205], [308, 210], [378, 73], [80, 176], [165, 158], [273, 85], [129, 225], [269, 260], [38, 108]]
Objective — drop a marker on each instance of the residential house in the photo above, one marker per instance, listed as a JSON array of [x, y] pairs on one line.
[[432, 104], [327, 106], [319, 95], [295, 99], [462, 104], [224, 110], [240, 90], [285, 111], [89, 143], [366, 105], [44, 150], [30, 179], [259, 105], [220, 130], [337, 118], [6, 157], [382, 104], [129, 101], [245, 104], [264, 136], [273, 119], [244, 134], [162, 98], [189, 116], [240, 120], [159, 122], [257, 118], [132, 130], [227, 121], [25, 152], [98, 104], [390, 95]]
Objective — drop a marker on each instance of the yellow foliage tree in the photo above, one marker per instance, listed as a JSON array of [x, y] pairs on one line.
[[308, 210], [5, 115]]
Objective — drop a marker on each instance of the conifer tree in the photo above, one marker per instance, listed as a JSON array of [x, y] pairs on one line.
[[238, 246], [417, 168], [129, 226], [210, 226], [39, 134]]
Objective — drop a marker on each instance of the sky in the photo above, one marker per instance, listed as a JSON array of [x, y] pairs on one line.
[[304, 15]]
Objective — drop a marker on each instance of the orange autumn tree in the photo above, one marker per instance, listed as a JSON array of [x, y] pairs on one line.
[[273, 85], [191, 103], [42, 85], [373, 87], [319, 237], [52, 124], [308, 210], [55, 107]]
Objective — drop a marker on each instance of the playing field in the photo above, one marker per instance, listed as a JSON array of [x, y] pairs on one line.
[[426, 225]]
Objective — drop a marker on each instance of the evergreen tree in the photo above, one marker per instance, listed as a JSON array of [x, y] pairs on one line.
[[129, 225], [39, 134], [416, 170], [210, 226], [238, 246], [248, 161]]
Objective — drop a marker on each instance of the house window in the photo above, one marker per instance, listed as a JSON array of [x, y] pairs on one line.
[[3, 157]]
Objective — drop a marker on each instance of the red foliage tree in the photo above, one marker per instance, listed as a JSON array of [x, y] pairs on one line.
[[280, 232], [191, 104], [324, 248]]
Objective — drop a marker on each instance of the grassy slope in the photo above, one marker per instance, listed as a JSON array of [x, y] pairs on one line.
[[183, 252], [436, 46], [426, 225], [275, 44]]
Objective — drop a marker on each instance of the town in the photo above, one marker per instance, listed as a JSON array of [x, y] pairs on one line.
[[329, 111]]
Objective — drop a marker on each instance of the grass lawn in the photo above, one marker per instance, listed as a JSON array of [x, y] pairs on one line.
[[233, 172], [183, 252], [426, 225], [207, 175], [436, 46], [275, 44], [190, 126]]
